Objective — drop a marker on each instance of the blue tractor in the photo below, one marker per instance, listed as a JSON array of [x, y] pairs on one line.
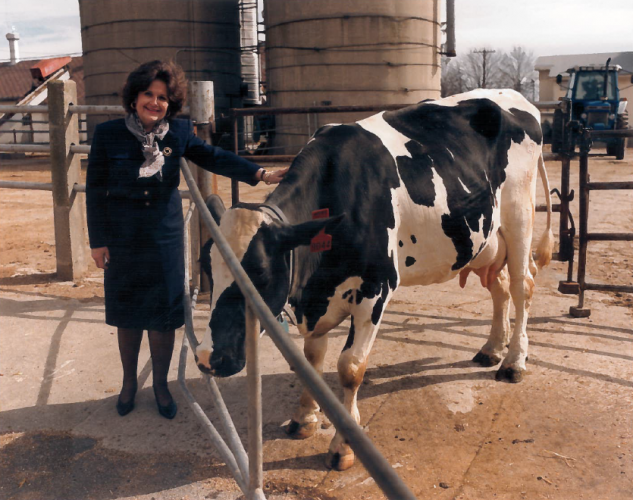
[[594, 98]]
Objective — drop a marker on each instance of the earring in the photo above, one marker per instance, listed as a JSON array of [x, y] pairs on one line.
[[133, 105]]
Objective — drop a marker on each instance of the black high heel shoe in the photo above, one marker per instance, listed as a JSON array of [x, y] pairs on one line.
[[124, 408], [169, 410]]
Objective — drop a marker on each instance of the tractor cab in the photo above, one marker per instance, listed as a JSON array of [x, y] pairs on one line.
[[595, 96], [595, 102]]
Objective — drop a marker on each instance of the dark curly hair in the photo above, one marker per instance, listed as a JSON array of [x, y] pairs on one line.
[[142, 77]]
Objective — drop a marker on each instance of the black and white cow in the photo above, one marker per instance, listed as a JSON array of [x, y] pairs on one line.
[[417, 196]]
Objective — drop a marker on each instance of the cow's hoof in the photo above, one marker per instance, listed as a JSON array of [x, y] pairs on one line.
[[513, 375], [486, 360], [301, 431], [339, 462]]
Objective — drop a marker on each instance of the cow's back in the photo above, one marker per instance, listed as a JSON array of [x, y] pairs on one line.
[[454, 158]]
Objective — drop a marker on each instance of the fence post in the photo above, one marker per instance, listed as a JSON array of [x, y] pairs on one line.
[[202, 112], [68, 205]]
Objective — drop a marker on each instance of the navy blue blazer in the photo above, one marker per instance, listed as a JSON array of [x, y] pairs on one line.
[[119, 203]]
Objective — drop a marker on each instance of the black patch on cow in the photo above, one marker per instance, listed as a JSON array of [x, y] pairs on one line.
[[348, 170], [346, 294], [417, 171], [409, 261], [414, 240], [350, 336], [400, 244], [467, 145], [487, 119], [379, 306], [529, 124]]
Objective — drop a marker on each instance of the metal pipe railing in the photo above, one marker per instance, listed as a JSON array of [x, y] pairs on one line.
[[382, 472], [73, 108], [237, 466]]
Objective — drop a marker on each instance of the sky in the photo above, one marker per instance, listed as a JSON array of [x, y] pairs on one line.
[[545, 27]]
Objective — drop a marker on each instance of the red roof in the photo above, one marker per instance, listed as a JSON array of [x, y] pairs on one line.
[[47, 67], [16, 81]]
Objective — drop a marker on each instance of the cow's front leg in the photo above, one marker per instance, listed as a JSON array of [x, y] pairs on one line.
[[351, 370], [492, 351], [304, 421]]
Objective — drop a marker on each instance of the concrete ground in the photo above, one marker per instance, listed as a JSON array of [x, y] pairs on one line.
[[447, 427], [444, 423]]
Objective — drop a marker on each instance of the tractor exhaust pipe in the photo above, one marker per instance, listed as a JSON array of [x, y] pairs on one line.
[[606, 79]]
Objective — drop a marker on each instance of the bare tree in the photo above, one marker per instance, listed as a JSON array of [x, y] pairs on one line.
[[488, 68], [453, 81], [481, 68], [517, 71]]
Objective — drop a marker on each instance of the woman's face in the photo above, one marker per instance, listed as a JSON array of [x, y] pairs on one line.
[[152, 104]]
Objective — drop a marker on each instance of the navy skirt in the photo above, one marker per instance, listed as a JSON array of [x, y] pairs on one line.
[[144, 281]]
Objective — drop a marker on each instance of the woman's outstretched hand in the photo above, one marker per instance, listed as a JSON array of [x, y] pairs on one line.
[[101, 256], [273, 176]]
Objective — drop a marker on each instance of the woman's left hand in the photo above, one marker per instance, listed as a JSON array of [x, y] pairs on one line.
[[275, 176]]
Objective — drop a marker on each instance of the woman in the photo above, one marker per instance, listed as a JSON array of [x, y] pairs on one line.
[[135, 220]]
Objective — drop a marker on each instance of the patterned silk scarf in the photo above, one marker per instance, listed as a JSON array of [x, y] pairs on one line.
[[154, 159]]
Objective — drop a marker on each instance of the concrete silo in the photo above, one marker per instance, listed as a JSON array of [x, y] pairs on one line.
[[203, 36], [348, 52]]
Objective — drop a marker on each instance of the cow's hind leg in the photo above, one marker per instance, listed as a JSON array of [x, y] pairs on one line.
[[521, 288], [304, 421], [492, 351]]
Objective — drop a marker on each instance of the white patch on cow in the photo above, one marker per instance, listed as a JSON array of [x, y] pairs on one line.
[[238, 226], [434, 252], [506, 99], [393, 140], [451, 153], [464, 185]]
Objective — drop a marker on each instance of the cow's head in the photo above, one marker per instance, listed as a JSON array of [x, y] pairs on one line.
[[263, 245]]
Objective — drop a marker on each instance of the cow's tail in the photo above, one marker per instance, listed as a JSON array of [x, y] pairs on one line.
[[545, 246]]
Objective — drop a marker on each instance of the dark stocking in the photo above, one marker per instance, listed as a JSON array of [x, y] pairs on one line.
[[161, 346], [129, 346]]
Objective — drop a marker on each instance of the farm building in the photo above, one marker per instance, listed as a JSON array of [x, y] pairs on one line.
[[25, 83]]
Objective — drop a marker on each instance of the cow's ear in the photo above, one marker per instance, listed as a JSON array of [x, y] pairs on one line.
[[216, 207], [301, 234]]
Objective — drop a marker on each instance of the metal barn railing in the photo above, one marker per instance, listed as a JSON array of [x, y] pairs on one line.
[[586, 186]]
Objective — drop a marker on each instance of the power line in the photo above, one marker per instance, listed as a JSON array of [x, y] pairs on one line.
[[485, 52]]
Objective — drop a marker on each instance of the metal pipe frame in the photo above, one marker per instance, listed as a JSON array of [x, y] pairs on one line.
[[74, 108], [382, 472], [584, 235], [233, 456]]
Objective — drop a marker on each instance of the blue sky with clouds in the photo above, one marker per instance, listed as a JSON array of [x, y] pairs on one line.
[[546, 27]]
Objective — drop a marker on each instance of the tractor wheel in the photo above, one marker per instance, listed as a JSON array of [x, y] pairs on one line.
[[622, 123], [557, 132]]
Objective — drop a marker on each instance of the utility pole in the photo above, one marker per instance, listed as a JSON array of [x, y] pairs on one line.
[[485, 52]]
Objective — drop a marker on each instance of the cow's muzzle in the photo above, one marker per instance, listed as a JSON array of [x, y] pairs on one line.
[[225, 366]]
